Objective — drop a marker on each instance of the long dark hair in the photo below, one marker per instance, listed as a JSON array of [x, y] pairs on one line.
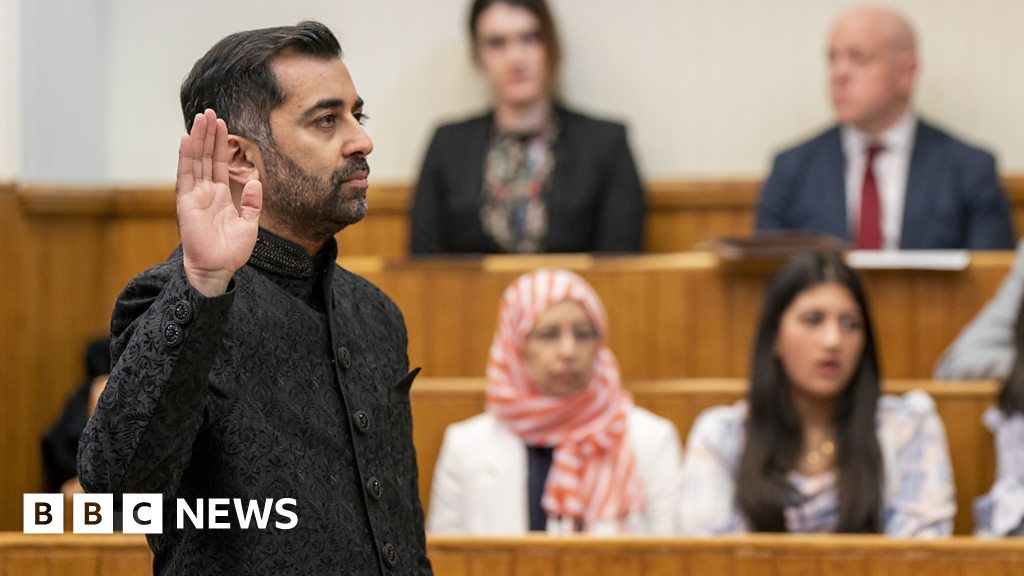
[[1011, 397], [539, 9], [774, 433]]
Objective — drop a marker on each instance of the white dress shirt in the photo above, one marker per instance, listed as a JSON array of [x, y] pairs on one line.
[[891, 168]]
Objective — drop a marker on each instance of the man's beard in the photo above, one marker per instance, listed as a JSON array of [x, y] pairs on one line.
[[308, 207]]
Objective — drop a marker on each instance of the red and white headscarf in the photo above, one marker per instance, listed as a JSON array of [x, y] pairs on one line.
[[593, 473]]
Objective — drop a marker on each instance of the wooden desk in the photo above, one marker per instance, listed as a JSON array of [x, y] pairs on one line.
[[759, 555], [436, 403], [74, 555], [762, 555], [671, 315]]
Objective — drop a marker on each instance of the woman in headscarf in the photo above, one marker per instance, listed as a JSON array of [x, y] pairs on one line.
[[561, 446]]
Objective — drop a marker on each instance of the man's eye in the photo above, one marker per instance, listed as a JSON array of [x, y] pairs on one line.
[[361, 118], [860, 58], [326, 121]]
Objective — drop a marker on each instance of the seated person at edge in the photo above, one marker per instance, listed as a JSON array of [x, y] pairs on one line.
[[529, 176], [561, 446], [815, 448], [60, 445], [986, 348], [884, 178], [1001, 511]]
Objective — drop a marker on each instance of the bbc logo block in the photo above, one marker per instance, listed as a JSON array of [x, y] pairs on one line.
[[92, 514], [43, 513], [144, 514]]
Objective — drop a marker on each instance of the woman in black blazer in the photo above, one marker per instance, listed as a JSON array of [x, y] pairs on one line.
[[530, 175]]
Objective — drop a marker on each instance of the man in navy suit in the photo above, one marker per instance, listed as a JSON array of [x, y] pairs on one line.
[[883, 178]]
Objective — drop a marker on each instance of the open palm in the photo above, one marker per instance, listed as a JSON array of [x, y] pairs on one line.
[[217, 238]]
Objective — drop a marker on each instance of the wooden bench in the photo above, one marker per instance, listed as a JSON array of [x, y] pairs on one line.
[[436, 403]]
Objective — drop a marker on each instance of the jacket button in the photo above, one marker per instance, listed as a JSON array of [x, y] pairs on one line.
[[173, 334], [183, 312], [362, 421], [344, 357], [373, 485], [390, 554]]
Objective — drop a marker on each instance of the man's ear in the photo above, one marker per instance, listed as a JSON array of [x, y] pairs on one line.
[[244, 162]]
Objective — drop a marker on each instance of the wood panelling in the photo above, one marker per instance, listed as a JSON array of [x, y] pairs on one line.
[[582, 555], [67, 253], [682, 213], [437, 403], [756, 555], [671, 315], [74, 554], [18, 367]]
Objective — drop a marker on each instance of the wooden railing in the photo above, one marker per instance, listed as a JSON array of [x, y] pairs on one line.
[[756, 555], [437, 403]]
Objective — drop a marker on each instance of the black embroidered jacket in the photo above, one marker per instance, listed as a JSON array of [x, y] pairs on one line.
[[292, 385]]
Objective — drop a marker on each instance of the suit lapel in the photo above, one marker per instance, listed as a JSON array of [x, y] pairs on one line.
[[471, 173], [560, 189], [920, 180], [830, 175]]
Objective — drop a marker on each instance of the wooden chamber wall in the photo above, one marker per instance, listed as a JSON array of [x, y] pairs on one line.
[[66, 253]]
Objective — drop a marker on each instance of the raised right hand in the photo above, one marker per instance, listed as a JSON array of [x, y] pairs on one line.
[[216, 237]]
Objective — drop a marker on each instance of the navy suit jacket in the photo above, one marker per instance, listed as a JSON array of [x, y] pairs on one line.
[[953, 198]]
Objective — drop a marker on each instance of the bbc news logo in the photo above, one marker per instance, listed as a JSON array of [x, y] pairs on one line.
[[143, 514]]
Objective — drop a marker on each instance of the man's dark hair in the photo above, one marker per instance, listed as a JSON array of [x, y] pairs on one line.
[[235, 80]]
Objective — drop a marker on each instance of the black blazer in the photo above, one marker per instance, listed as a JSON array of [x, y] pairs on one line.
[[255, 394], [595, 201], [953, 198]]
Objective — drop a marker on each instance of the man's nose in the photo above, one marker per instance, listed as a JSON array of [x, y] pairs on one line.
[[839, 69], [359, 142]]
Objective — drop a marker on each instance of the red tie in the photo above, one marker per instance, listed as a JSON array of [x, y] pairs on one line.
[[870, 234]]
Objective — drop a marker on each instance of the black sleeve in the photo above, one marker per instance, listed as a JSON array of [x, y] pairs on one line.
[[623, 210], [165, 337], [426, 216]]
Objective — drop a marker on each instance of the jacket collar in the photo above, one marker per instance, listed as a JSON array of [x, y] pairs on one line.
[[285, 258]]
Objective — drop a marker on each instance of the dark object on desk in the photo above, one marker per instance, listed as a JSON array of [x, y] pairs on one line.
[[773, 247]]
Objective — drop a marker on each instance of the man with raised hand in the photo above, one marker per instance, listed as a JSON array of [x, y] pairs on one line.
[[259, 387]]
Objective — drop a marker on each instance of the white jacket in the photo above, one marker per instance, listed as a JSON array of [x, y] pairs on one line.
[[480, 479]]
